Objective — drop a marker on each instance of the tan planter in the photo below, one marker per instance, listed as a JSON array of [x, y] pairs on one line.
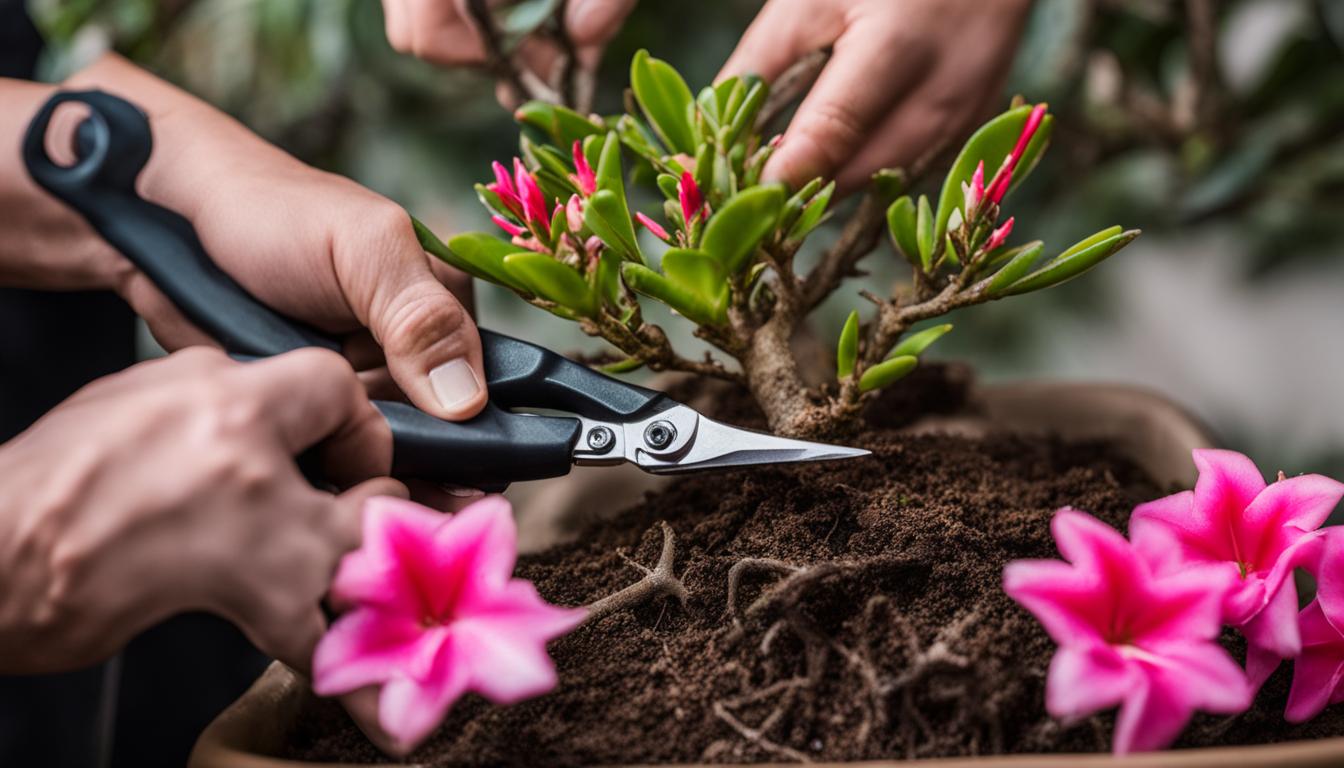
[[1155, 433]]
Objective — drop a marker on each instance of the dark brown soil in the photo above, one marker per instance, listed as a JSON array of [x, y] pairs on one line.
[[892, 638]]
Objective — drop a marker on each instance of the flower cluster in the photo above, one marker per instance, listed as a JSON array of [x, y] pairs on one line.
[[1136, 620], [433, 612]]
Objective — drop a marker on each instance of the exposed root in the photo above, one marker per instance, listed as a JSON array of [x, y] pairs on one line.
[[658, 582], [757, 735]]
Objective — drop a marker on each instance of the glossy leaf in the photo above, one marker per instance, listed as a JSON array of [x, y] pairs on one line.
[[491, 201], [887, 372], [622, 366], [605, 213], [924, 232], [901, 226], [700, 273], [1070, 264], [686, 302], [889, 184], [608, 169], [734, 232], [812, 214], [1091, 240], [847, 350], [745, 118], [664, 96], [992, 143], [563, 126], [553, 280], [1017, 266], [667, 184], [915, 344], [551, 161], [476, 253]]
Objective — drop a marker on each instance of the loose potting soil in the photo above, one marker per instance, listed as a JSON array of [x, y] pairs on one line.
[[835, 611]]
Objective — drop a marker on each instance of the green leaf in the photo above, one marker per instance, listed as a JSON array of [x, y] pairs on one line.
[[549, 159], [1016, 267], [689, 304], [667, 184], [812, 214], [745, 118], [664, 97], [992, 143], [608, 169], [709, 105], [477, 253], [553, 280], [605, 213], [924, 233], [704, 169], [915, 344], [886, 372], [889, 183], [901, 225], [702, 274], [526, 17], [492, 202], [622, 366], [793, 207], [734, 232], [847, 350], [1091, 240], [1070, 264], [563, 126]]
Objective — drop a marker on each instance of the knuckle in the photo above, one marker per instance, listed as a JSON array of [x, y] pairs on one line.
[[834, 127], [422, 320]]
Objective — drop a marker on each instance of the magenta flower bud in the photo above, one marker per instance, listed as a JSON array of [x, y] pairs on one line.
[[504, 189], [692, 202], [975, 191], [534, 202], [530, 243], [574, 213], [508, 226], [583, 178], [998, 236], [653, 227], [1004, 177]]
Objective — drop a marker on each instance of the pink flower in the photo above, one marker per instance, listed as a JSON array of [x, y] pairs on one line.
[[998, 236], [583, 178], [974, 192], [1255, 533], [574, 213], [504, 190], [692, 202], [436, 614], [1318, 672], [1004, 177], [534, 202], [507, 226], [1127, 636], [654, 227]]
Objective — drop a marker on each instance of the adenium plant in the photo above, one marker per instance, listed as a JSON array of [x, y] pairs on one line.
[[1137, 620], [726, 241]]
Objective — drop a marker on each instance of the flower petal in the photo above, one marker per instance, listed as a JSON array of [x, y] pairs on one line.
[[1151, 716], [409, 710], [504, 666], [1064, 600], [1086, 679], [1187, 605], [395, 532], [364, 647], [1286, 508], [1168, 534], [1272, 635], [1319, 669], [1180, 678]]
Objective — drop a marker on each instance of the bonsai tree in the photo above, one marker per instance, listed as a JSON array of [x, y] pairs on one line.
[[569, 219]]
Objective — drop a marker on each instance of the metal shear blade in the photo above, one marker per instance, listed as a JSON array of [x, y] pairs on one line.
[[680, 439]]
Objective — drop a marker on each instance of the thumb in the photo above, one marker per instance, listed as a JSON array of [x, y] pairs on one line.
[[432, 346], [594, 22]]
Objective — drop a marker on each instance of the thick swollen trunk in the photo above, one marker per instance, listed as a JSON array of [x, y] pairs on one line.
[[772, 376]]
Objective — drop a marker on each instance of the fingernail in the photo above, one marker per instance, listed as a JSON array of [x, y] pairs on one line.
[[462, 492], [454, 383]]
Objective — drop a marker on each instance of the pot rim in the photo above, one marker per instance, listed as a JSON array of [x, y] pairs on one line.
[[1152, 430]]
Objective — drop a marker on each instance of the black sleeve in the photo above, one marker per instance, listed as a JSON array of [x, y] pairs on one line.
[[19, 41]]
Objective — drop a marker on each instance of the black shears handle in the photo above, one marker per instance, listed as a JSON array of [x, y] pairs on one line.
[[490, 451]]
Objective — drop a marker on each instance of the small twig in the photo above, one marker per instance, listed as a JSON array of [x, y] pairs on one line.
[[744, 566], [497, 60], [757, 736], [658, 582], [860, 236]]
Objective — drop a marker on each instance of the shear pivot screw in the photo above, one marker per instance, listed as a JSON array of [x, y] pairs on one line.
[[660, 434], [601, 439]]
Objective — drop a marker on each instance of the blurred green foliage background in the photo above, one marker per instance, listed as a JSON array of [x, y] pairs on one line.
[[1217, 127]]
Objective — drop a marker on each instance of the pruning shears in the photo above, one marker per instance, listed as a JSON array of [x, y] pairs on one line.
[[612, 422]]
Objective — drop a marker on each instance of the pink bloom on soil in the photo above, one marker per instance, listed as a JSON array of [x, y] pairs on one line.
[[692, 202], [583, 177], [654, 227], [1256, 533], [436, 613], [1318, 671], [1000, 235], [504, 189], [534, 202], [507, 226], [1004, 177], [1127, 636]]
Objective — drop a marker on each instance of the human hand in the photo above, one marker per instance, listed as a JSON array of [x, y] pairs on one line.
[[313, 245], [904, 78], [444, 32], [171, 487]]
